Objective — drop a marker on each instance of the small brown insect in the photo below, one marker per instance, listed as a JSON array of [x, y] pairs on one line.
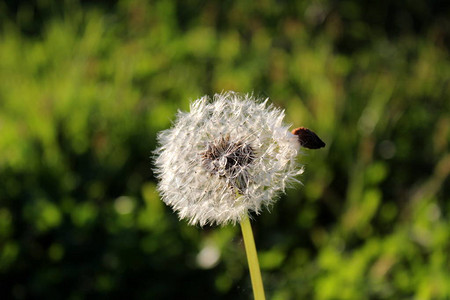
[[307, 138]]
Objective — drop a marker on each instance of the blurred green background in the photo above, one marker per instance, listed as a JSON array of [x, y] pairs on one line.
[[85, 87]]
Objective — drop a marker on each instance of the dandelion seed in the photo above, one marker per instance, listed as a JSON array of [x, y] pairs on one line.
[[225, 157]]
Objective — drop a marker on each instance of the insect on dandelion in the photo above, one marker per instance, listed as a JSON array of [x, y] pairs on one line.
[[226, 157]]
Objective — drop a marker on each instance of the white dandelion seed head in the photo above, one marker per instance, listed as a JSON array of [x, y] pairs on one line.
[[225, 157]]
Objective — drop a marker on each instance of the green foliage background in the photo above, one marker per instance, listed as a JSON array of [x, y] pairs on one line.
[[85, 87]]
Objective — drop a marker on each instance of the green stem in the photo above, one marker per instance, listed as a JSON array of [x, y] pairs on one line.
[[252, 257]]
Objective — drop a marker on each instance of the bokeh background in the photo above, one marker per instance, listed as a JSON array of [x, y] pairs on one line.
[[85, 87]]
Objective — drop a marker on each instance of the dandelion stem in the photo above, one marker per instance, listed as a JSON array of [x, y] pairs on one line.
[[252, 257]]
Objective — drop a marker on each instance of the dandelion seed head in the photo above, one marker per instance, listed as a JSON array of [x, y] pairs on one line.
[[225, 157]]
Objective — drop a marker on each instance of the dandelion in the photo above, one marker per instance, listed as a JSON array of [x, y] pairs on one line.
[[226, 157]]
